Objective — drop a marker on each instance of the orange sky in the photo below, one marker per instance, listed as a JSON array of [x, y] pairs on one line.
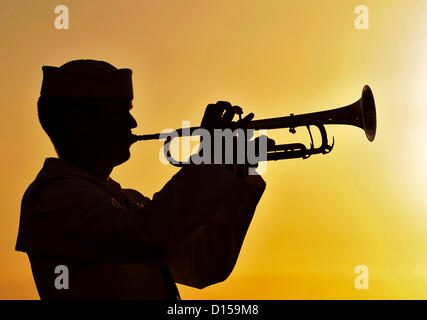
[[363, 204]]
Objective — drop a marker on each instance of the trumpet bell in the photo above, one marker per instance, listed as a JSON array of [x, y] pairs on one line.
[[367, 109]]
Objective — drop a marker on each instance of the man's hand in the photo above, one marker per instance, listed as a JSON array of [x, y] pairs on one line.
[[220, 116]]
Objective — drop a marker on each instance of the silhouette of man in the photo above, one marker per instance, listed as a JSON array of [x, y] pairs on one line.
[[115, 243]]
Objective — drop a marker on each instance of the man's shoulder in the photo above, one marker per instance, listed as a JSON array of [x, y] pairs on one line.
[[51, 188], [57, 175], [53, 197], [43, 199]]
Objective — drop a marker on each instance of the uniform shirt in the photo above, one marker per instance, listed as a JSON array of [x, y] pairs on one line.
[[118, 244]]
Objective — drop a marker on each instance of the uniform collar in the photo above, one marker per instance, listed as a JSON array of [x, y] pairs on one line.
[[55, 167]]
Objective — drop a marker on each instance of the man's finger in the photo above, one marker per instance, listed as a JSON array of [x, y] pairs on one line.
[[212, 116], [225, 105], [237, 109], [270, 142], [245, 121], [229, 114], [222, 102]]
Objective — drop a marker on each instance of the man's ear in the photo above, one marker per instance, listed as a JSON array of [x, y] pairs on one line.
[[79, 122]]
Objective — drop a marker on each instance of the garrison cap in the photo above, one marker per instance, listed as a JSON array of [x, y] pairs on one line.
[[87, 79]]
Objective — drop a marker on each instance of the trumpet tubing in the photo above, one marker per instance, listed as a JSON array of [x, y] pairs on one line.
[[361, 114]]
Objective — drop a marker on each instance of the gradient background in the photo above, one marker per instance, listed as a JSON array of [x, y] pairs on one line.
[[363, 204]]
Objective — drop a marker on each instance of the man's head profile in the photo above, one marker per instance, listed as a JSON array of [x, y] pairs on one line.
[[84, 108]]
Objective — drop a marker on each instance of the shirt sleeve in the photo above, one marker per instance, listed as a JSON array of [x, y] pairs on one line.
[[209, 254], [70, 217]]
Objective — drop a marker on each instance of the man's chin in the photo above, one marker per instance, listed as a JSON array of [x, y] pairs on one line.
[[122, 157]]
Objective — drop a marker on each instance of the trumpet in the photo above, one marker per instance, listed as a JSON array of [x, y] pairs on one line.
[[361, 114]]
